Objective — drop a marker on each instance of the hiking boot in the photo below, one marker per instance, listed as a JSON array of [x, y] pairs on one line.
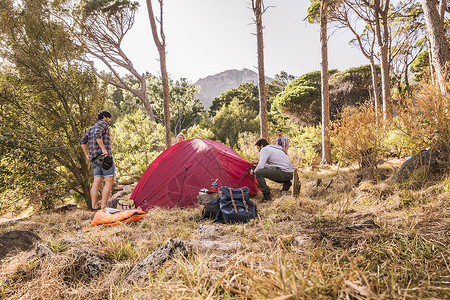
[[267, 197], [286, 186]]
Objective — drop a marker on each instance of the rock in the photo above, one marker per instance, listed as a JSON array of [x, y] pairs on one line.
[[208, 246], [155, 259], [16, 240], [68, 207], [43, 251], [300, 242], [366, 224], [435, 161], [112, 203], [208, 231], [93, 265]]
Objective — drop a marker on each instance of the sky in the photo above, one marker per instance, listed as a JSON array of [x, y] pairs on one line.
[[206, 37]]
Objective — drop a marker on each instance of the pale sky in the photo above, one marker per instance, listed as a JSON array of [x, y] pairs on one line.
[[206, 37]]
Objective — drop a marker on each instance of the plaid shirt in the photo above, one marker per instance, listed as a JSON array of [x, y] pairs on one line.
[[99, 130], [283, 141]]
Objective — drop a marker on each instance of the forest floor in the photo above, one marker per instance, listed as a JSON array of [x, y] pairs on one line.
[[340, 239]]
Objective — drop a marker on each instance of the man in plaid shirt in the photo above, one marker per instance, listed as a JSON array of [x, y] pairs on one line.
[[96, 145], [282, 140]]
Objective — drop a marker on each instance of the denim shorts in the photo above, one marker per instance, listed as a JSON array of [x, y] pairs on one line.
[[96, 163]]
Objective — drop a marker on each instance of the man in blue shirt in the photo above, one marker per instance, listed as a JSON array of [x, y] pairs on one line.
[[96, 145], [273, 164]]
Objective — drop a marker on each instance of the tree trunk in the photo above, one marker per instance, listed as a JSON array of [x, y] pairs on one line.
[[376, 88], [439, 45], [326, 144], [165, 80], [161, 46], [383, 45], [258, 11]]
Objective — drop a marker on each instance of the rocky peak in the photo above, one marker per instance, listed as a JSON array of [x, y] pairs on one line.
[[214, 85]]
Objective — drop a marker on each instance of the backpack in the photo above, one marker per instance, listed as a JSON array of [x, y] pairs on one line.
[[211, 208], [235, 206]]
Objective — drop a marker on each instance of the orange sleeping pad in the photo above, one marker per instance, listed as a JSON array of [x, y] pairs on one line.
[[122, 216]]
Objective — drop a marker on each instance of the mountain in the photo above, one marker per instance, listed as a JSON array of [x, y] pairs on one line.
[[215, 85]]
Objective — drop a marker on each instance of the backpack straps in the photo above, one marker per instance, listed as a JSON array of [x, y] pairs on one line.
[[243, 200], [232, 200]]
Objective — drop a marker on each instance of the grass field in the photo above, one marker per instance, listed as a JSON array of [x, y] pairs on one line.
[[338, 240]]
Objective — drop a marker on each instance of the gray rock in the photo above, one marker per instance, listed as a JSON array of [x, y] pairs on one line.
[[207, 246], [208, 231], [155, 259], [43, 251]]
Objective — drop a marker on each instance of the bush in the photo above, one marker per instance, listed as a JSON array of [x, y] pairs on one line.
[[359, 135], [424, 118], [306, 146], [137, 141], [197, 132], [246, 145]]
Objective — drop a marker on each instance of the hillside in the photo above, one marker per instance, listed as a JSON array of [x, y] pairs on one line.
[[340, 239], [214, 85]]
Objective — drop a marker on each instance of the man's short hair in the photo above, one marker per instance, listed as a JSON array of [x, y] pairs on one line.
[[103, 114], [262, 142], [279, 130]]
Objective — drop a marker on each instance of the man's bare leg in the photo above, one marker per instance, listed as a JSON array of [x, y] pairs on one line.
[[94, 191], [109, 181]]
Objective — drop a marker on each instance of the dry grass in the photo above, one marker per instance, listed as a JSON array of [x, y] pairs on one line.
[[299, 248]]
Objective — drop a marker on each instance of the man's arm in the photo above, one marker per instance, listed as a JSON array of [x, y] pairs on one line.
[[263, 157], [102, 146], [85, 150]]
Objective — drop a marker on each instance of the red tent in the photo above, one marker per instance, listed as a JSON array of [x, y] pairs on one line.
[[174, 178]]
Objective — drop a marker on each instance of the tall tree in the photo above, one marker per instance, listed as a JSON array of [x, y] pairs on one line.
[[380, 12], [326, 144], [57, 99], [345, 16], [258, 10], [439, 46], [100, 28], [408, 41], [160, 42], [320, 9]]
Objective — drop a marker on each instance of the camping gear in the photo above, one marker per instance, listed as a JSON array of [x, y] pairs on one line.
[[107, 162], [175, 177], [204, 198], [214, 186], [102, 217], [211, 208], [125, 204], [235, 206]]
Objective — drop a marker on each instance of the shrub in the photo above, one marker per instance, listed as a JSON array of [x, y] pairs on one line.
[[358, 135], [306, 146], [424, 118], [136, 143], [197, 132], [246, 145]]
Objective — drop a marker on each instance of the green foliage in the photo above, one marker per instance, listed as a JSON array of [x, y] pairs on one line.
[[420, 66], [301, 98], [200, 131], [232, 120], [246, 94], [246, 145], [50, 100], [107, 7], [136, 143], [306, 146], [399, 145]]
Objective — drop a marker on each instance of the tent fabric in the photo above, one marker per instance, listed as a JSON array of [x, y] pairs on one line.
[[123, 216], [174, 178]]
